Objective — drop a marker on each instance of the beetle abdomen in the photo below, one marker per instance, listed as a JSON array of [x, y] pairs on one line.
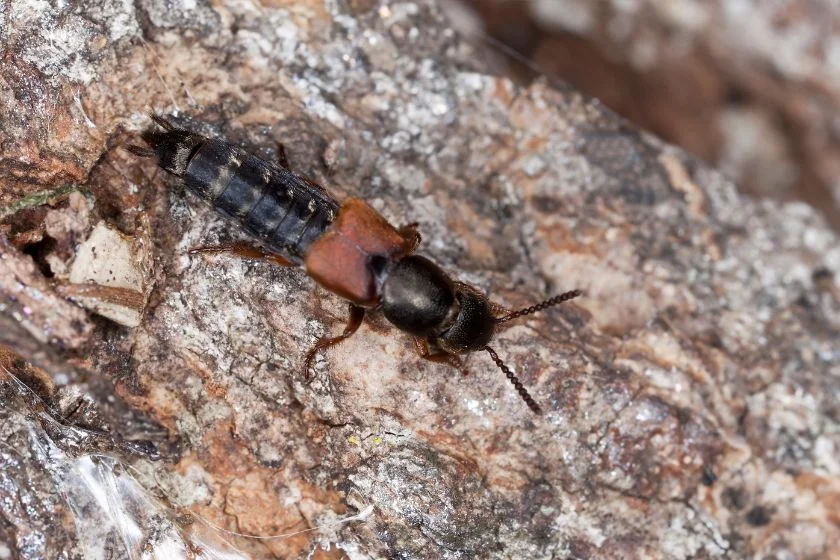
[[286, 212]]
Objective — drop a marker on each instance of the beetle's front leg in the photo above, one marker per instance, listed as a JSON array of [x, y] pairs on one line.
[[411, 235], [421, 346]]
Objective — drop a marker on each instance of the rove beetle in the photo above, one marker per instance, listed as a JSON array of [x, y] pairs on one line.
[[348, 248]]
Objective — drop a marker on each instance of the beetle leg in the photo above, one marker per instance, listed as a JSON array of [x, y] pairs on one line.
[[282, 160], [357, 315], [244, 251], [409, 233], [421, 345]]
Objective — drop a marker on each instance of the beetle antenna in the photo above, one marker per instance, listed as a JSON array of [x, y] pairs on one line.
[[529, 400], [550, 302]]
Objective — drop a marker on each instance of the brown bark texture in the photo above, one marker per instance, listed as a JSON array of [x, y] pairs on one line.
[[153, 403]]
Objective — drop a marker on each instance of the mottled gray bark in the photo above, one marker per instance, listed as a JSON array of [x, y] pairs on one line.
[[691, 396]]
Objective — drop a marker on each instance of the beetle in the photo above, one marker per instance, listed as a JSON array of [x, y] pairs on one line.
[[348, 248]]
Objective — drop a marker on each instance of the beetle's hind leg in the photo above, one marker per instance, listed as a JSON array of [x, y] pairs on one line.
[[357, 315], [244, 251]]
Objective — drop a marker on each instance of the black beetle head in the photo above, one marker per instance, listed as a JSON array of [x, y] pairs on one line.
[[474, 325]]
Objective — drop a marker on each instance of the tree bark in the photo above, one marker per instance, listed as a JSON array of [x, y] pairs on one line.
[[690, 396]]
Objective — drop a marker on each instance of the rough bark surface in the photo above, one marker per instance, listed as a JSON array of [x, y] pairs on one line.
[[752, 86], [691, 396]]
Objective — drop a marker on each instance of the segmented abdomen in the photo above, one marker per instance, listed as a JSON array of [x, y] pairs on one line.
[[286, 212]]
